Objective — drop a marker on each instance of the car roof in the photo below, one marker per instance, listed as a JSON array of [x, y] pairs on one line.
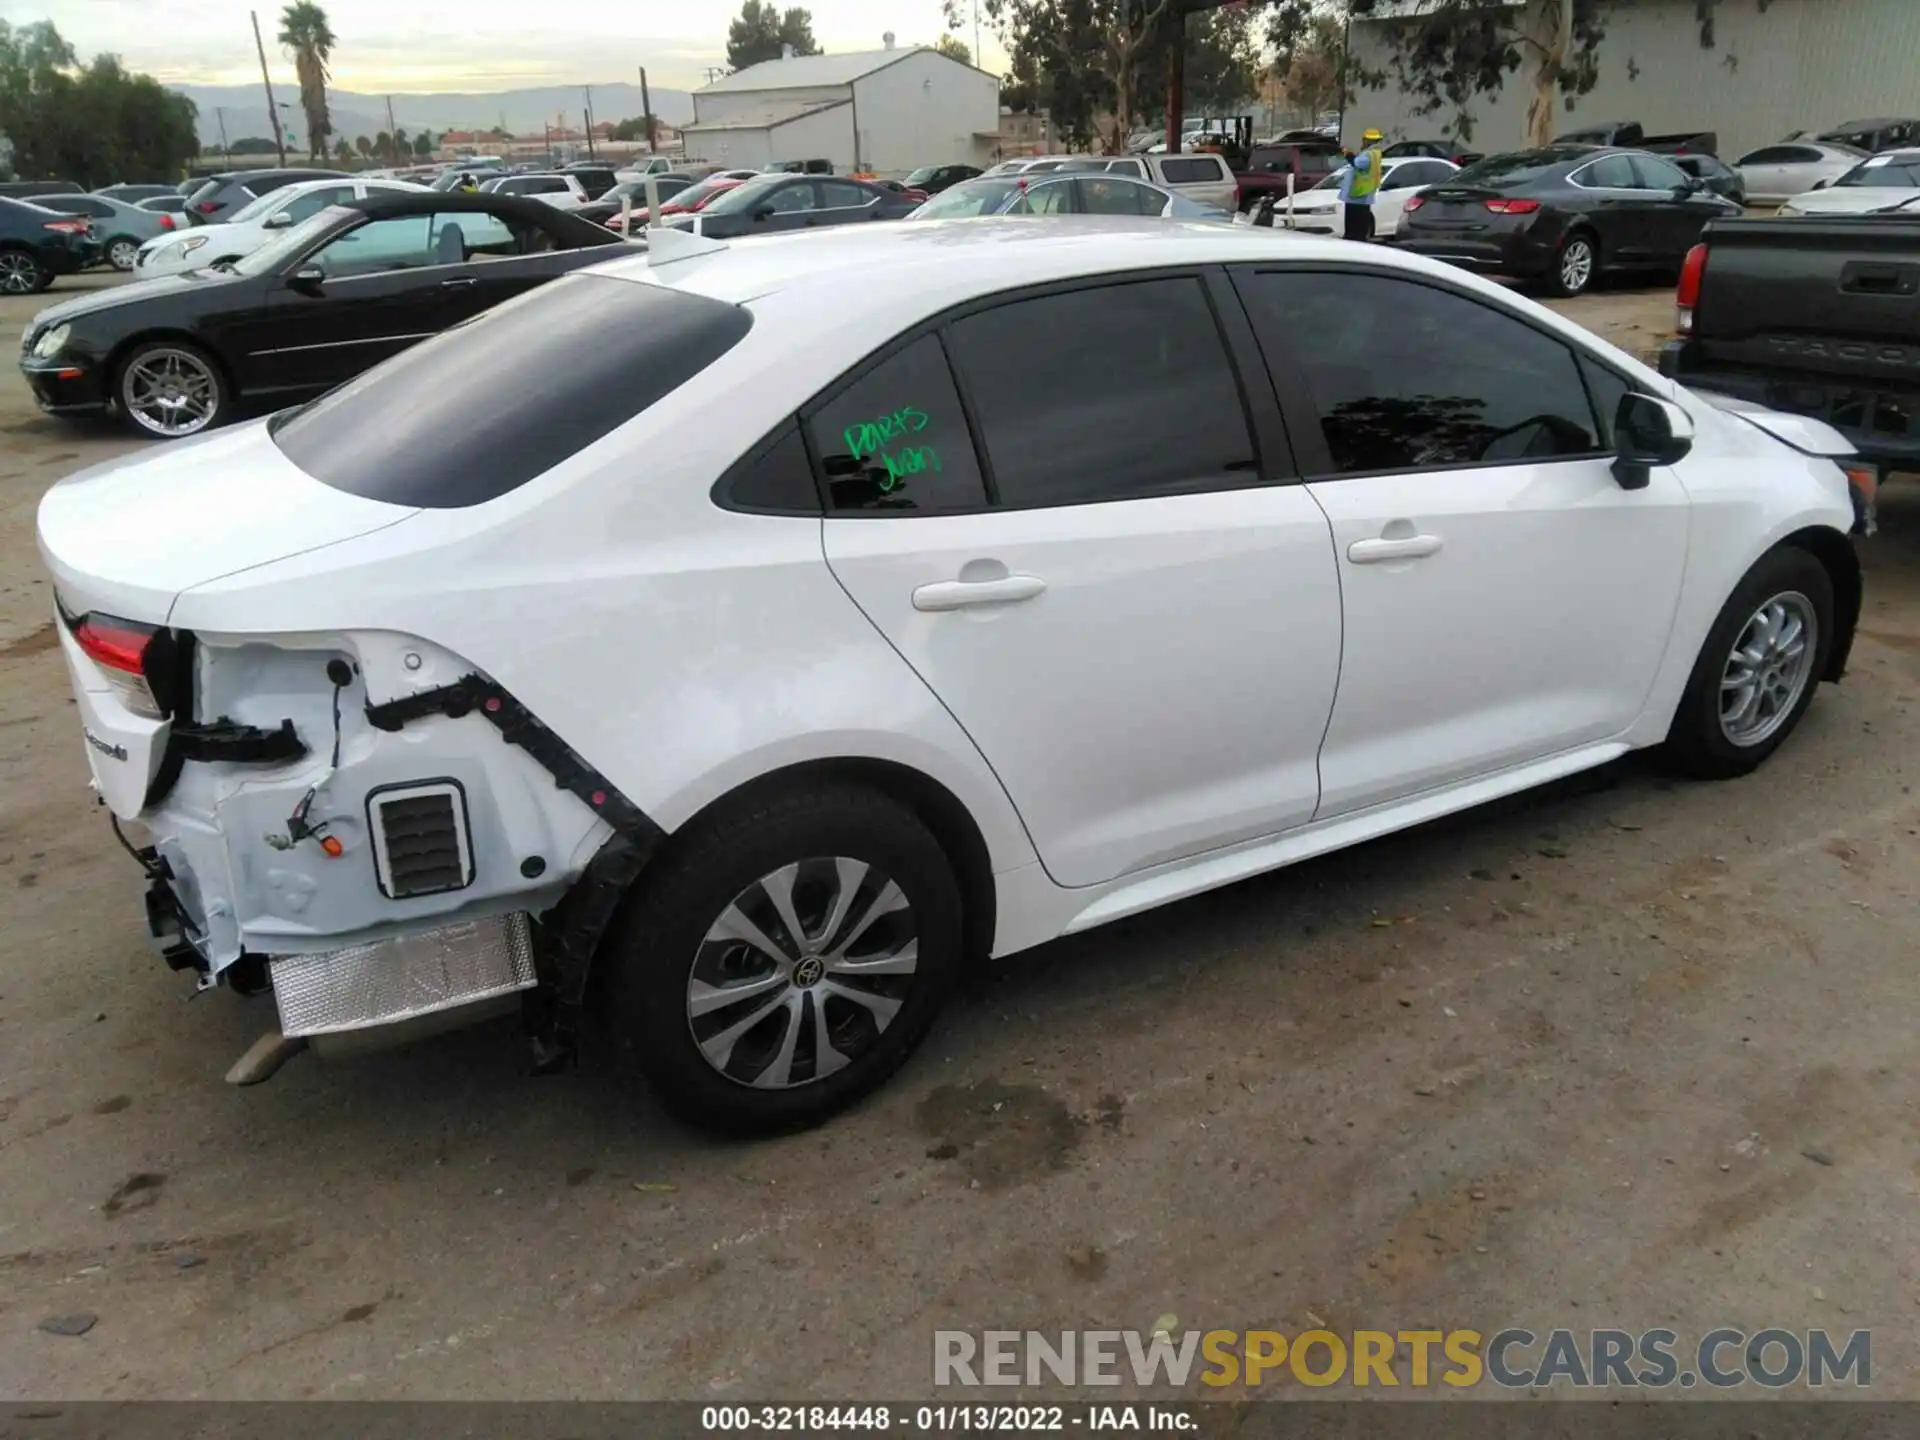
[[440, 202], [977, 255], [230, 177]]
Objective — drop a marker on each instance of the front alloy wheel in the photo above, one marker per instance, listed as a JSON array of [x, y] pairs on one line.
[[802, 973], [1771, 665], [170, 391], [1755, 676], [123, 254]]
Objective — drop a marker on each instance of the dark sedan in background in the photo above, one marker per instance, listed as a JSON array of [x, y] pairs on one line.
[[330, 297], [1567, 215], [769, 204], [932, 179], [38, 245]]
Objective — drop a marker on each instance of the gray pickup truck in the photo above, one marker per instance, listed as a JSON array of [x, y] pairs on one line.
[[1819, 317]]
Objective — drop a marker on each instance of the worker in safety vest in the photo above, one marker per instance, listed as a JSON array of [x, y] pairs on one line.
[[1359, 184]]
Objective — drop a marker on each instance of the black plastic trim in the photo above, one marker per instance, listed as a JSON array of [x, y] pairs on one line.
[[229, 742], [571, 930]]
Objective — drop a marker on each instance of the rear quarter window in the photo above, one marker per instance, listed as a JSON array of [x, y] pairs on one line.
[[1193, 170], [584, 355]]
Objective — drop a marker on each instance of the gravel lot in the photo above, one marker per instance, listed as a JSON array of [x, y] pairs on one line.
[[1629, 1052]]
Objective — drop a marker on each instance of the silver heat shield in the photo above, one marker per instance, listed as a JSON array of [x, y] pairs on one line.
[[391, 980]]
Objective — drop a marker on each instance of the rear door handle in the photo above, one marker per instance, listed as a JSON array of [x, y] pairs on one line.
[[963, 594], [1411, 547], [459, 282]]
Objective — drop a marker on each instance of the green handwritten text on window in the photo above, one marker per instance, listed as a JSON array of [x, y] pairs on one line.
[[880, 440]]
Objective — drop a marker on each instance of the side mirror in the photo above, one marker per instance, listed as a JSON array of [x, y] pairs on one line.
[[761, 212], [1821, 184], [308, 280], [277, 221], [1648, 432]]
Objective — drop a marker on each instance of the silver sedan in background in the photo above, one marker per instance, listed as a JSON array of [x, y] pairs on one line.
[[1052, 193]]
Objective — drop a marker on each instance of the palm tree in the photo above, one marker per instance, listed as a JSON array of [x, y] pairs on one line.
[[309, 39], [344, 150], [364, 146]]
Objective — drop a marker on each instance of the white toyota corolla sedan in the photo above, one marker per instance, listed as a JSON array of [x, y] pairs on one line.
[[793, 622]]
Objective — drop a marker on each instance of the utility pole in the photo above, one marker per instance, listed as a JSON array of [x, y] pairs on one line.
[[220, 114], [976, 36], [646, 113], [393, 133], [273, 110], [588, 113]]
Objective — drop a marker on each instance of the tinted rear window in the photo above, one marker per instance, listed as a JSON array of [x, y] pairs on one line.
[[572, 361]]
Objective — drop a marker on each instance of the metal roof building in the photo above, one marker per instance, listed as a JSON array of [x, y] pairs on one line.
[[886, 111], [1796, 65]]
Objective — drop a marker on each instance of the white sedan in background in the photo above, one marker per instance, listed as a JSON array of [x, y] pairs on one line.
[[1876, 183], [253, 225], [1317, 211]]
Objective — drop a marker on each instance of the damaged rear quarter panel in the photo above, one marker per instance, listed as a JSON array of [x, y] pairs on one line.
[[225, 832]]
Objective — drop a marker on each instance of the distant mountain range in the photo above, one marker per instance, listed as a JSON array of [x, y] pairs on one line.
[[521, 112]]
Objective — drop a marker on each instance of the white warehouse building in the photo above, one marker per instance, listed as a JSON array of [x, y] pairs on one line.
[[886, 111]]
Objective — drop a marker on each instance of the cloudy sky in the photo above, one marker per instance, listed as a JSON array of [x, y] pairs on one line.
[[480, 45]]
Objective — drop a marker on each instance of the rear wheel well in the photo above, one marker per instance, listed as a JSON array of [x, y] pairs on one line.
[[937, 807], [1836, 555]]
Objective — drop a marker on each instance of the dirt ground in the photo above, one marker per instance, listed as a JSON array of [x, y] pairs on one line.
[[1628, 1052]]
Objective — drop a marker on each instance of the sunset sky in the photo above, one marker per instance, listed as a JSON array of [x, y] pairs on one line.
[[486, 45]]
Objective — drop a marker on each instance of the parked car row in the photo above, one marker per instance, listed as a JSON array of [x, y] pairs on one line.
[[319, 301]]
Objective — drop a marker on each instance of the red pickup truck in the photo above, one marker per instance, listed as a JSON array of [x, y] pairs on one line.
[[1268, 166]]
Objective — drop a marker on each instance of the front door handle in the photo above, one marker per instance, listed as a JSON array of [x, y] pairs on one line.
[[1409, 547], [962, 594], [459, 282]]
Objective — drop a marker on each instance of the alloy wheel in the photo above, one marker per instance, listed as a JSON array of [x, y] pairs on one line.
[[170, 392], [19, 274], [123, 254], [1576, 266], [1769, 669], [802, 972]]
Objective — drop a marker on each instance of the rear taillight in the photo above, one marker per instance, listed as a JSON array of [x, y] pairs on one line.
[[1686, 297], [206, 207], [68, 227], [121, 649], [1414, 202], [166, 222], [1513, 207]]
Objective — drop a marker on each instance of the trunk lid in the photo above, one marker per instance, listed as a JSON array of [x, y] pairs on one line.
[[124, 539], [128, 536], [1454, 207]]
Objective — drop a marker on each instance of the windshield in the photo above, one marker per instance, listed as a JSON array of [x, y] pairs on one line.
[[254, 209], [1330, 182], [744, 197], [272, 257], [974, 197], [1886, 172], [916, 178]]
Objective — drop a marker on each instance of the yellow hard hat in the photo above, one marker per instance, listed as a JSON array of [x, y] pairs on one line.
[[1371, 134]]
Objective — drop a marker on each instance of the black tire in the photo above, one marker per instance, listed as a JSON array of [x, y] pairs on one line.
[[649, 960], [1697, 743], [1558, 279], [123, 400], [21, 272]]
